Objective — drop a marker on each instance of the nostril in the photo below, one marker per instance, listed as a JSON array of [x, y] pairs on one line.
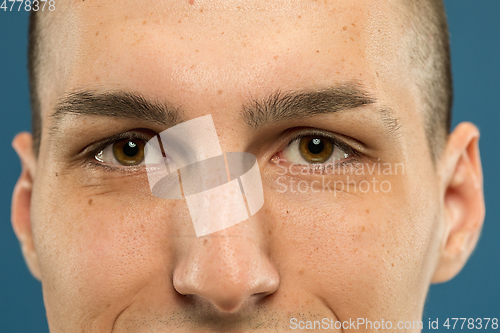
[[223, 294]]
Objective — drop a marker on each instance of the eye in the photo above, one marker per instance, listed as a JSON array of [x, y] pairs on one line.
[[126, 152], [316, 149]]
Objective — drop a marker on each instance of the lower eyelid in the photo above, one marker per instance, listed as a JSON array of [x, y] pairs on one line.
[[319, 169], [116, 168]]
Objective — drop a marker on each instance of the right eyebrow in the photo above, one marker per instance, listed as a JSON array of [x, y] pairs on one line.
[[280, 106], [121, 104]]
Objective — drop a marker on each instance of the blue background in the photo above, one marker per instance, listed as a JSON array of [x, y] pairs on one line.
[[475, 45]]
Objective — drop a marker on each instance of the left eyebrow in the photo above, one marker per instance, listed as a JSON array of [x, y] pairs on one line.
[[296, 105], [120, 104]]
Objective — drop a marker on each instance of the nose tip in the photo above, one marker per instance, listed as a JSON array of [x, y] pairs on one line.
[[230, 273]]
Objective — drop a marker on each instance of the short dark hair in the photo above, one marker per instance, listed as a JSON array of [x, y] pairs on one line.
[[428, 57], [34, 60], [428, 47]]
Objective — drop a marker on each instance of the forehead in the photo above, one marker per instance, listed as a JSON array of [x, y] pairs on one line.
[[243, 46]]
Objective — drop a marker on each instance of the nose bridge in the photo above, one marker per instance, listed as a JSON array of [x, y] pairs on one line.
[[227, 269]]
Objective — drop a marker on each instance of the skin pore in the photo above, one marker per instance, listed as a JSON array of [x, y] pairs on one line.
[[113, 258]]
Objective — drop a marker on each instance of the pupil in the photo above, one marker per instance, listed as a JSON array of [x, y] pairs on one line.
[[130, 149], [316, 146]]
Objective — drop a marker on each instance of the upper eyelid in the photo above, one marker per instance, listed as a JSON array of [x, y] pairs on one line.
[[132, 134]]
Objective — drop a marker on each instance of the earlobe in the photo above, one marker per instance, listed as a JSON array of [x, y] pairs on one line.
[[21, 201], [463, 200]]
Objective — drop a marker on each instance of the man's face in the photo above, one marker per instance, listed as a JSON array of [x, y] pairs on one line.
[[361, 245]]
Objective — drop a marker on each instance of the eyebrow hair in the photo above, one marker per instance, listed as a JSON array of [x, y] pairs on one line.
[[295, 105], [114, 104]]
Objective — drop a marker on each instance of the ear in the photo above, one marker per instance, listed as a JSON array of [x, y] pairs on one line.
[[21, 201], [461, 178]]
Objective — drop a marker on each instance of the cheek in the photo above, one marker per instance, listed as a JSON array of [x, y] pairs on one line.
[[361, 251], [98, 251], [116, 235]]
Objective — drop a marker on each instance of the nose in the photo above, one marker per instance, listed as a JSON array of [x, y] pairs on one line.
[[228, 268]]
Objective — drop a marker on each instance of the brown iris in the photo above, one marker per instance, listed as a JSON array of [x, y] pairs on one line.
[[129, 151], [315, 149]]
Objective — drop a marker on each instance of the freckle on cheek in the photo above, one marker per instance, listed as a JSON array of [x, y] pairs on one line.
[[90, 201]]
